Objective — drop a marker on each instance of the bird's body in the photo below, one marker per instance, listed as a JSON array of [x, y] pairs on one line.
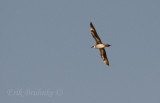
[[99, 44]]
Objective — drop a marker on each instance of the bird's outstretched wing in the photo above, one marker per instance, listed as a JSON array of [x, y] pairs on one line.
[[104, 56], [94, 34]]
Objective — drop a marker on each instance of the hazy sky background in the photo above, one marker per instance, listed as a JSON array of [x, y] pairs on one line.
[[46, 49]]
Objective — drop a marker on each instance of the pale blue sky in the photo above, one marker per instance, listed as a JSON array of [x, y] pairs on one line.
[[46, 45]]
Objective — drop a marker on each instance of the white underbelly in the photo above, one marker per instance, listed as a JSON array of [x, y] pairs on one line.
[[100, 46]]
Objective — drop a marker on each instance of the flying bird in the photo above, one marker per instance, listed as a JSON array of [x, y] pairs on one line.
[[99, 45]]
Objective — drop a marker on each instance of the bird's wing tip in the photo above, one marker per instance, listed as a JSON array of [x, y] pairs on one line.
[[106, 62]]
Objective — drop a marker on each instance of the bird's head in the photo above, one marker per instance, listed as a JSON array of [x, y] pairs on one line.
[[93, 46]]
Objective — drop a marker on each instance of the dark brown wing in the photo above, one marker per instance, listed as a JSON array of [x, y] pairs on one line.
[[104, 56], [94, 34]]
